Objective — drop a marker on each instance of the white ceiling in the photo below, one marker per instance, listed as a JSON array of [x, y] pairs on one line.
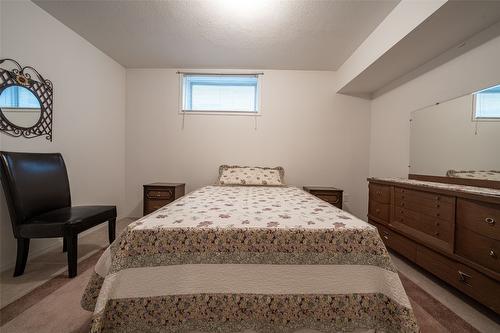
[[258, 34], [455, 28]]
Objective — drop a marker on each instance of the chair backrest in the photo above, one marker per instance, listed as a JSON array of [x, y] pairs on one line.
[[33, 184]]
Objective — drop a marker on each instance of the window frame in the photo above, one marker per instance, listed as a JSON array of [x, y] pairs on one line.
[[221, 112], [474, 108]]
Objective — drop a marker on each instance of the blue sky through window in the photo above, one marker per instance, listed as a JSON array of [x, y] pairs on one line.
[[488, 103]]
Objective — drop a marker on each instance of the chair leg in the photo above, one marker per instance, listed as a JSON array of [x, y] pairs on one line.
[[65, 246], [72, 246], [111, 230], [23, 246]]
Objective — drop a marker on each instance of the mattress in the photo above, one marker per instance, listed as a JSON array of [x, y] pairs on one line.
[[237, 258]]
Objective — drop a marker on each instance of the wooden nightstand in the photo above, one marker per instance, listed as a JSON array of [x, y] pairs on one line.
[[157, 195], [331, 195]]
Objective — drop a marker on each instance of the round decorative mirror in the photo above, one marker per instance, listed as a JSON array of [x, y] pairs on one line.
[[20, 106], [25, 101]]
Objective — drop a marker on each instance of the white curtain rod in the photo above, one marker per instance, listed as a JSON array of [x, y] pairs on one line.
[[235, 74]]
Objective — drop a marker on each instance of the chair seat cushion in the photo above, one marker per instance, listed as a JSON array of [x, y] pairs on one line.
[[58, 222]]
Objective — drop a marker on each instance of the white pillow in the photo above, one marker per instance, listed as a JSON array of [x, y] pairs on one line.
[[243, 175]]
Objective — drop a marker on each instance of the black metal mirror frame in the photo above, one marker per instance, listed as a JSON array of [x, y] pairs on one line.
[[40, 87]]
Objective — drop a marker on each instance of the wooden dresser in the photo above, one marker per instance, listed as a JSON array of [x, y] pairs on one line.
[[157, 195], [331, 195], [452, 231]]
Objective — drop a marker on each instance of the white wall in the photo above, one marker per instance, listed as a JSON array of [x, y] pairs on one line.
[[320, 138], [390, 113], [89, 111], [445, 137]]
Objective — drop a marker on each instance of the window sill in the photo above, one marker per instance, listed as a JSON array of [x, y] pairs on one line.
[[221, 113], [485, 119]]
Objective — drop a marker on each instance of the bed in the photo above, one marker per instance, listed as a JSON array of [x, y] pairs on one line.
[[475, 174], [248, 258]]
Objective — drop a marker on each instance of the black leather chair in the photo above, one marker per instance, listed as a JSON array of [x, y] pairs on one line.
[[36, 188]]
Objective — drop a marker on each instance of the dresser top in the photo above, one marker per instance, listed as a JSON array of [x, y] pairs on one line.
[[442, 186]]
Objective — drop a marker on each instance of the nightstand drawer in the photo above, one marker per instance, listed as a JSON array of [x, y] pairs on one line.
[[331, 195], [157, 195], [151, 206], [332, 198]]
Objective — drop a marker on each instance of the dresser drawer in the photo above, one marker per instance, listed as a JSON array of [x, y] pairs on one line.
[[379, 210], [443, 210], [380, 193], [398, 243], [475, 247], [481, 217], [424, 198], [468, 280], [432, 226]]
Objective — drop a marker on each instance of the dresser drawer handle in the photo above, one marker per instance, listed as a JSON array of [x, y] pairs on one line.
[[377, 210], [493, 254], [463, 277], [490, 220]]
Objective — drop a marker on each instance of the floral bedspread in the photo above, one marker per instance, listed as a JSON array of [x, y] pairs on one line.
[[475, 174], [235, 258]]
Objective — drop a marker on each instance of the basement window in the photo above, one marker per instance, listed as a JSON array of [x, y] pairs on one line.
[[487, 104], [220, 93]]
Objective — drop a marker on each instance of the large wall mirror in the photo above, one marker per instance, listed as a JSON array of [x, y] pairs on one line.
[[25, 101], [458, 140]]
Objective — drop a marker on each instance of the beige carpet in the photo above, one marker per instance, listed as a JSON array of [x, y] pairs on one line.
[[54, 307]]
